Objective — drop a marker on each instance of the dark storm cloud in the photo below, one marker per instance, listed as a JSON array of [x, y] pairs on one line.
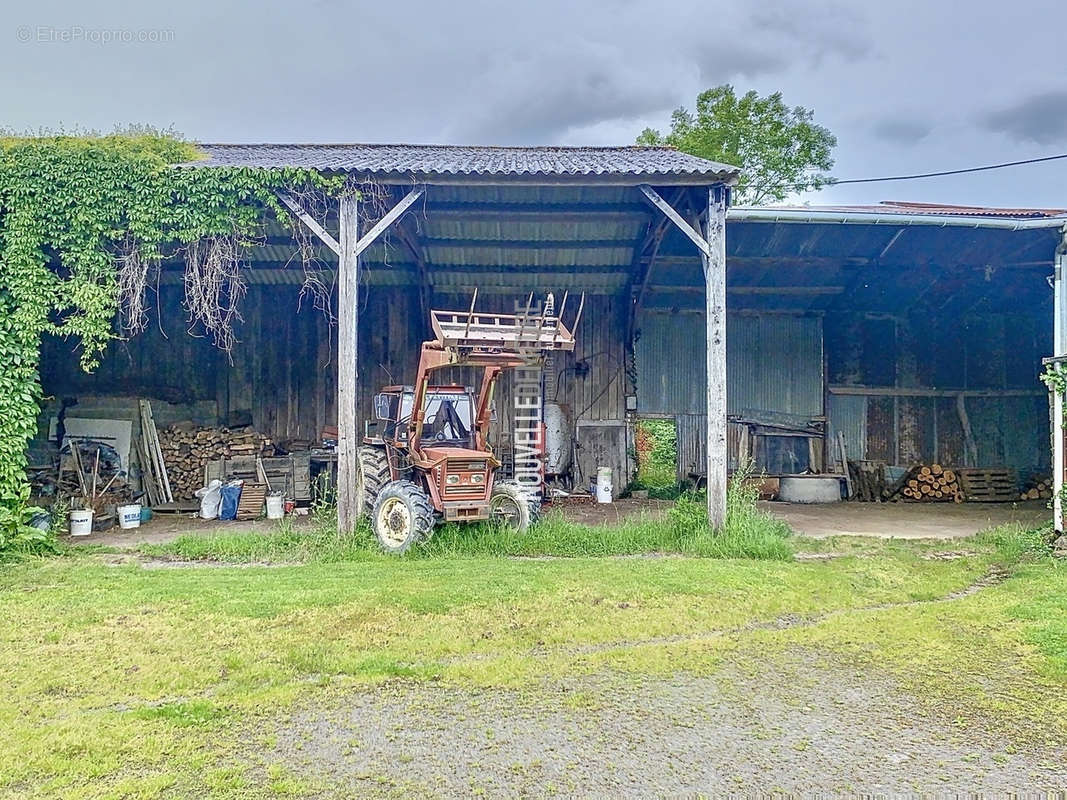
[[539, 98], [818, 30], [902, 130], [903, 85], [1040, 118]]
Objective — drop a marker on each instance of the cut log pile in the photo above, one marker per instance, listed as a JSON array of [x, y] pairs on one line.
[[1039, 487], [187, 448], [927, 483], [868, 480]]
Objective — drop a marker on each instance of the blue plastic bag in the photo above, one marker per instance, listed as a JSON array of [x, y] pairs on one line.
[[231, 496]]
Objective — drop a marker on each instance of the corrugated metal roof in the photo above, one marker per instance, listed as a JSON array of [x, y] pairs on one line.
[[422, 160], [902, 207]]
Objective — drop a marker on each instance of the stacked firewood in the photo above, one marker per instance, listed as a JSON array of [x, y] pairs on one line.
[[1038, 488], [187, 448], [927, 483]]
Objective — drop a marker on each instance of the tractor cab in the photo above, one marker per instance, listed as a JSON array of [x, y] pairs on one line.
[[448, 415]]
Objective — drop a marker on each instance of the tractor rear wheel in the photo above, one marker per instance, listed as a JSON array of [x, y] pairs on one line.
[[402, 516], [511, 505], [372, 473]]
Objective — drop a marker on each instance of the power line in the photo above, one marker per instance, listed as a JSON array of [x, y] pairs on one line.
[[942, 173], [949, 171]]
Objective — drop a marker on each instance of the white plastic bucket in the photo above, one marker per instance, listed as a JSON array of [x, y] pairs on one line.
[[130, 516], [275, 506], [603, 485], [81, 522]]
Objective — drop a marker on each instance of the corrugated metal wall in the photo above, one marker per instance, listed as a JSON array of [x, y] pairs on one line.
[[995, 354], [773, 363]]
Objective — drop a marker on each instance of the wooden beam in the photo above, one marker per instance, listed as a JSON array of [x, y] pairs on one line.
[[531, 244], [309, 221], [715, 337], [702, 244], [786, 260], [547, 212], [642, 266], [383, 224], [892, 391], [410, 239], [795, 291], [348, 510]]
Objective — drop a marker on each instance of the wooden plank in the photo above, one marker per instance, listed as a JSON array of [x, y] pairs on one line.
[[347, 351], [309, 221], [531, 244], [715, 311], [703, 245], [383, 224], [541, 212], [155, 453], [844, 463], [971, 447], [891, 391]]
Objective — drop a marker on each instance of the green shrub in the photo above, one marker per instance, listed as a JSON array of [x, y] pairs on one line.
[[17, 535], [657, 454]]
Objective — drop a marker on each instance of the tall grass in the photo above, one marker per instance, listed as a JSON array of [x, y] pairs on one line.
[[683, 530], [749, 532], [1013, 543]]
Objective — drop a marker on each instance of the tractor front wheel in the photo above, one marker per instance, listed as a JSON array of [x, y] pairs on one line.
[[512, 506], [402, 516], [372, 473]]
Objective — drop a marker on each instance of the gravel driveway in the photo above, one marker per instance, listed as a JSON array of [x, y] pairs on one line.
[[808, 728]]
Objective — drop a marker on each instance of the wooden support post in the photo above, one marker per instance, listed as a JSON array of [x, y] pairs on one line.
[[714, 257], [347, 340]]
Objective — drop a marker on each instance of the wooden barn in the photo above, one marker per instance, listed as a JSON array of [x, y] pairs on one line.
[[911, 333]]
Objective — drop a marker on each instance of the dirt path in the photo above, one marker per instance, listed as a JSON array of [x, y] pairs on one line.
[[905, 520], [802, 726]]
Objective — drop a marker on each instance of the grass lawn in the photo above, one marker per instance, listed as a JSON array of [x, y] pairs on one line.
[[128, 677]]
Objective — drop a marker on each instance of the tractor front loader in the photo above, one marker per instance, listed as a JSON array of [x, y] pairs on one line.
[[426, 456]]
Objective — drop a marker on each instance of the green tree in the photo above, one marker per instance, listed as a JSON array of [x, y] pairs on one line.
[[780, 150]]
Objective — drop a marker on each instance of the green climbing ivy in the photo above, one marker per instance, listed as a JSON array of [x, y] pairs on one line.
[[71, 209], [1055, 378]]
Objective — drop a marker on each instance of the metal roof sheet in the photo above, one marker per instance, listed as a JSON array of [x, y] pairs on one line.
[[905, 208], [421, 160]]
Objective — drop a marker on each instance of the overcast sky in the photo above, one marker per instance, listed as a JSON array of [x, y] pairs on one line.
[[909, 86]]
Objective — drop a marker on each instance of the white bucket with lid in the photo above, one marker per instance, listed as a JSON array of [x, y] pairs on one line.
[[603, 485], [81, 522], [275, 506], [130, 516]]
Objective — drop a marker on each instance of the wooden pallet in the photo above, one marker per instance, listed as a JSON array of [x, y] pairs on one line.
[[290, 475], [253, 496], [989, 485]]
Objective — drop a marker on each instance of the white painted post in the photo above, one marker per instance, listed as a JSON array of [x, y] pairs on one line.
[[715, 309], [1059, 346], [347, 340]]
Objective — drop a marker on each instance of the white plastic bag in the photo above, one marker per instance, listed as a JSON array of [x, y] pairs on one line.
[[210, 500]]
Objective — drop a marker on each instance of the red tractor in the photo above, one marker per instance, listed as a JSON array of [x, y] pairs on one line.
[[426, 456]]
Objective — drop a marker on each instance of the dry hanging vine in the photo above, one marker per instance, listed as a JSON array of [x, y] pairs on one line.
[[85, 222]]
